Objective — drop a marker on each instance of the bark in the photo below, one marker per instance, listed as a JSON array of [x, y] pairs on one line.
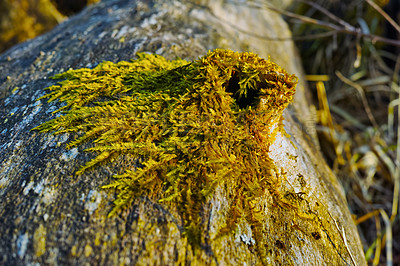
[[48, 215]]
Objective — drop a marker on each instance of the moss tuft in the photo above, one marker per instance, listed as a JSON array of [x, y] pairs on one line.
[[189, 126]]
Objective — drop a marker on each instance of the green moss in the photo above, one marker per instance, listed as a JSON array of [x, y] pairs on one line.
[[183, 128]]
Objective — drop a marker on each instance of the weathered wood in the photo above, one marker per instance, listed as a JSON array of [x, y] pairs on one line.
[[51, 216]]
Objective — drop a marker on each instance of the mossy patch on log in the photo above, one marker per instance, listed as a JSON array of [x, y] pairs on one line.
[[184, 128]]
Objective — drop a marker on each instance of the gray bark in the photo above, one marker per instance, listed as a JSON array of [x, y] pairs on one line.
[[48, 215]]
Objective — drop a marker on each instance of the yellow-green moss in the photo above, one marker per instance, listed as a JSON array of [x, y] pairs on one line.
[[39, 240], [188, 127]]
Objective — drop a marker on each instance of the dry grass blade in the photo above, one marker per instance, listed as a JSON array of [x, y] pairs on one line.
[[317, 77], [306, 19], [389, 238], [325, 118], [396, 190], [396, 193], [329, 14], [392, 104], [367, 216], [349, 118], [395, 168], [343, 236], [384, 14], [363, 97], [378, 241], [386, 159]]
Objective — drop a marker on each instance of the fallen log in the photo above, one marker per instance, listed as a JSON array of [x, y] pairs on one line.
[[277, 204]]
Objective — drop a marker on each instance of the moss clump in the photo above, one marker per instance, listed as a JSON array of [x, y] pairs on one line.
[[188, 126]]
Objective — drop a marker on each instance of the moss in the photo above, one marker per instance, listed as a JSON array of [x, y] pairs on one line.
[[88, 250], [183, 129], [39, 240]]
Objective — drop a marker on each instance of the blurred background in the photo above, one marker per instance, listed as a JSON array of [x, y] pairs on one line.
[[21, 20], [350, 52]]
